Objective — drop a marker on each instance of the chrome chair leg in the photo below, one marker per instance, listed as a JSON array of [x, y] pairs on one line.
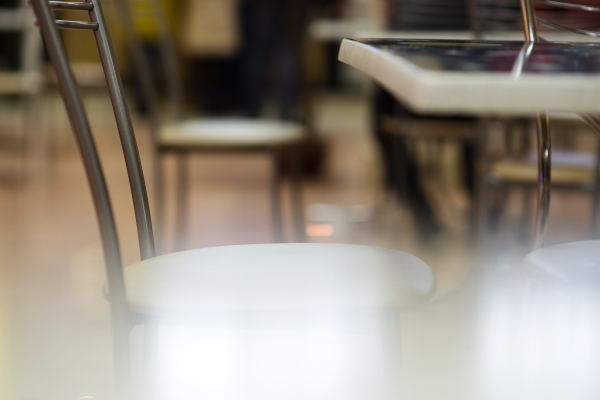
[[276, 197], [121, 356], [151, 331], [159, 198], [182, 200], [544, 171], [297, 203], [593, 121], [594, 216], [480, 206]]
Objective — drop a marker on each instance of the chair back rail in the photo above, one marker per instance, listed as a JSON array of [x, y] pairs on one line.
[[149, 92], [81, 128], [97, 24]]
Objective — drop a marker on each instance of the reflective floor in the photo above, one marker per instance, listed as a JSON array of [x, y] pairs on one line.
[[54, 322]]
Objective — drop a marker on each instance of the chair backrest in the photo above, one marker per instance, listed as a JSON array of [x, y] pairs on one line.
[[498, 15], [424, 15], [80, 124], [529, 14], [574, 18], [474, 15]]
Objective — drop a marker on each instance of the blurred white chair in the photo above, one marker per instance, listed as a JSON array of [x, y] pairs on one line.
[[26, 81], [572, 170], [275, 286], [574, 264], [183, 135]]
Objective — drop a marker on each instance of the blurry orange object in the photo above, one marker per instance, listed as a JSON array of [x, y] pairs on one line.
[[319, 230]]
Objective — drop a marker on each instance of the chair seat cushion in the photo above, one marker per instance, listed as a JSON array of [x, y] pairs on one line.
[[230, 132], [575, 265], [278, 277], [523, 171]]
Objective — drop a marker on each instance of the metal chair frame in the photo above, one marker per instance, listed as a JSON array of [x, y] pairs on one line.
[[121, 318], [530, 24], [176, 97]]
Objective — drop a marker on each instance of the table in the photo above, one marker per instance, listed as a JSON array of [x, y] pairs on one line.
[[492, 77], [503, 334], [481, 77]]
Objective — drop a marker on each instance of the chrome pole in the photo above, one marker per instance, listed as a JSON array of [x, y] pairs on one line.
[[544, 172], [529, 21], [110, 242], [128, 141], [543, 135]]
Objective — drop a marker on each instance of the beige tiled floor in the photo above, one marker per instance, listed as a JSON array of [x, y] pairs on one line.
[[54, 322]]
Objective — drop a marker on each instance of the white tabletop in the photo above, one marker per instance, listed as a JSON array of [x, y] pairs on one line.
[[417, 72]]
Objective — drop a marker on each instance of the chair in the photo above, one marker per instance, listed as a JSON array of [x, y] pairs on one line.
[[183, 135], [24, 79], [267, 281], [569, 263], [572, 170]]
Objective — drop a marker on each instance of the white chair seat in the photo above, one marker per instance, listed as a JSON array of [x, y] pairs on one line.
[[526, 172], [278, 277], [230, 133], [574, 264], [19, 83]]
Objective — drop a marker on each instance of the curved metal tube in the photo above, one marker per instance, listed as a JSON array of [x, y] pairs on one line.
[[560, 27], [568, 6], [522, 59], [544, 178], [529, 22], [110, 243], [128, 141]]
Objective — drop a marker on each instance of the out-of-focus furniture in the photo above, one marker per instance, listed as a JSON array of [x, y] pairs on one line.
[[400, 126], [266, 286], [572, 170], [571, 264], [23, 80], [485, 78], [182, 136]]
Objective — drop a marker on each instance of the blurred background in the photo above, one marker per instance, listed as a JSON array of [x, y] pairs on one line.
[[452, 190]]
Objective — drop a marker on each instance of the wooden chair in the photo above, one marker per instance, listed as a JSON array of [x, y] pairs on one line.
[[267, 282]]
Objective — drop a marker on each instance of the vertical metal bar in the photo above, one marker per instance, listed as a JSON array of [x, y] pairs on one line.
[[474, 20], [142, 67], [276, 197], [130, 150], [482, 186], [159, 198], [151, 342], [79, 122], [544, 169], [593, 122], [297, 203], [182, 200], [529, 21]]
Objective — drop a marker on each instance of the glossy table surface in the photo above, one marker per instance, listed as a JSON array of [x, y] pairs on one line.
[[481, 77]]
